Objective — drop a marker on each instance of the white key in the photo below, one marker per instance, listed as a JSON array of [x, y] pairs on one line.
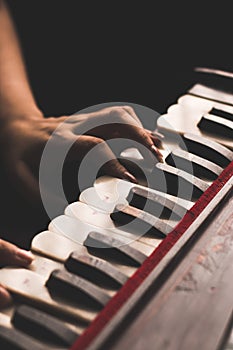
[[101, 197], [201, 104], [77, 230], [103, 220], [31, 286], [181, 119], [56, 246]]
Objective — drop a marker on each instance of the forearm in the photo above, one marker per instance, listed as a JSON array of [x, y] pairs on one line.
[[16, 97]]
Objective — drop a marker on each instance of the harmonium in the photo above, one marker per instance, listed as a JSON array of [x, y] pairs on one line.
[[140, 266]]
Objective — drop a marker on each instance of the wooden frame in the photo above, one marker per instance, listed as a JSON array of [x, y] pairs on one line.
[[120, 306]]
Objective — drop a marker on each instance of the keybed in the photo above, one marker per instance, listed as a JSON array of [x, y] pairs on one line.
[[95, 248]]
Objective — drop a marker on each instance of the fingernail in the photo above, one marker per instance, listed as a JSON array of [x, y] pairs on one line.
[[157, 153], [130, 177], [157, 134], [160, 144], [25, 256]]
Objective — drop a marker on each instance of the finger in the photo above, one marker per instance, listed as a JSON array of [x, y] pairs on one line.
[[5, 297], [157, 142], [144, 139], [61, 119], [116, 169], [151, 135], [10, 254], [156, 134], [130, 132], [99, 155], [139, 134]]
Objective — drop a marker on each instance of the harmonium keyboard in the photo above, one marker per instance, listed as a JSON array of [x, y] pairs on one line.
[[140, 266]]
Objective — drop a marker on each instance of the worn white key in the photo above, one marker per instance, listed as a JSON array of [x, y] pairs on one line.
[[177, 182], [158, 203], [31, 286], [142, 220], [211, 94], [194, 164], [81, 262], [216, 125], [77, 229], [103, 220], [181, 119], [212, 151], [56, 246], [102, 198], [105, 203], [47, 267], [155, 202], [5, 320], [201, 104], [44, 266], [115, 246]]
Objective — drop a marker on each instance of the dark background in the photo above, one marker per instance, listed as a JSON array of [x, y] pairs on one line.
[[82, 53]]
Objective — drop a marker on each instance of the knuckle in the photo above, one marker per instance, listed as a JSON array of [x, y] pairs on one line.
[[128, 108], [117, 111], [51, 119], [96, 140]]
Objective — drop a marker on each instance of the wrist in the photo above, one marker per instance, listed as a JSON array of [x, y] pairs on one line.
[[9, 115], [13, 124], [17, 102]]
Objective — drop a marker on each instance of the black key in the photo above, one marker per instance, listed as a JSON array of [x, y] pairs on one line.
[[194, 164], [77, 289], [221, 113], [177, 182], [207, 149], [13, 339], [216, 125], [156, 203], [43, 326], [114, 248], [95, 269], [140, 220]]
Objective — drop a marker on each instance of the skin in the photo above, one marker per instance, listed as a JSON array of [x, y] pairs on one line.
[[11, 255], [24, 131]]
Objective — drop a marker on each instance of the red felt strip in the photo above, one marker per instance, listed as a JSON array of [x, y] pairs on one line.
[[150, 263]]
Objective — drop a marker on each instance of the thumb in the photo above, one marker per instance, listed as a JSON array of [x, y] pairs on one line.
[[98, 155], [10, 254], [5, 297], [114, 168]]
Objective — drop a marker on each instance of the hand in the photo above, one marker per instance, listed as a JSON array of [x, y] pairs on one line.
[[23, 141], [11, 255]]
